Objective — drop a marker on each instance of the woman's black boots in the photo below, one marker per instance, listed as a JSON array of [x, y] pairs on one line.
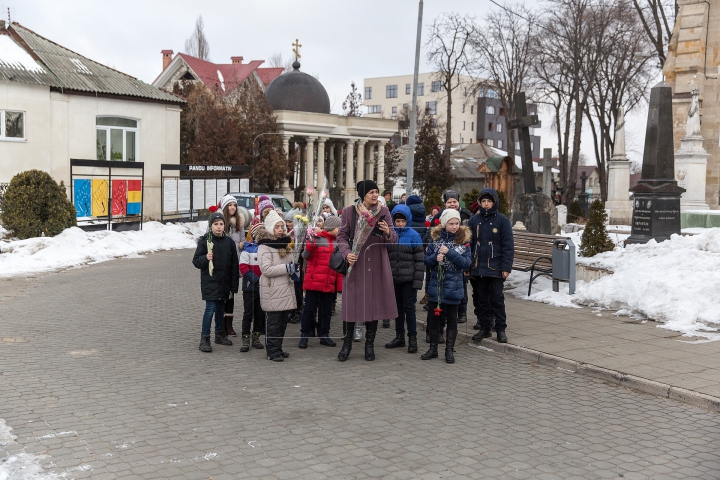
[[348, 329], [370, 331], [450, 346], [433, 352]]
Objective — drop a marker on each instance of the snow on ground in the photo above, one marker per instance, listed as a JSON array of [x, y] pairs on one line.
[[674, 282], [74, 247], [17, 466]]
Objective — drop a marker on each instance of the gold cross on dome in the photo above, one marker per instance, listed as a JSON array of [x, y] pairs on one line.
[[296, 50]]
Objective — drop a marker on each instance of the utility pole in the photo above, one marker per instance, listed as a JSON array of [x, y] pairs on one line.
[[413, 108]]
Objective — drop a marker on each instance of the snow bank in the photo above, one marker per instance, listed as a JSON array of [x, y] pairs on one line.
[[74, 247], [21, 465], [674, 282]]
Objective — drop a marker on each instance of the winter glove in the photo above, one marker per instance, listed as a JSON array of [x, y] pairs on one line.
[[293, 271]]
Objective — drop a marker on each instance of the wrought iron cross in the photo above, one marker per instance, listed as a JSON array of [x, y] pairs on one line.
[[296, 50], [522, 124]]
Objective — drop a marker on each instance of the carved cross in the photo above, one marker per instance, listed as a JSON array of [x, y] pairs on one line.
[[296, 50], [547, 163], [522, 124]]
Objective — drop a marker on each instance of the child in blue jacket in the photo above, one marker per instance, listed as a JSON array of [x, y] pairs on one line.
[[447, 255]]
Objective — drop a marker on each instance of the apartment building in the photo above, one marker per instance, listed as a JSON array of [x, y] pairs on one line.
[[386, 97], [492, 125]]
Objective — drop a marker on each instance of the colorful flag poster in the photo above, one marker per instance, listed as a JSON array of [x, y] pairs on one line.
[[119, 197], [99, 197], [134, 197], [82, 200]]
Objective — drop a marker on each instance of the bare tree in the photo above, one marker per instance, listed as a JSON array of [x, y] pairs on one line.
[[197, 45], [352, 106], [276, 60], [621, 80], [503, 44], [653, 16], [450, 55]]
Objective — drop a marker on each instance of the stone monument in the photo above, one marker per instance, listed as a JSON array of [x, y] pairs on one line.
[[691, 161], [656, 201], [618, 205]]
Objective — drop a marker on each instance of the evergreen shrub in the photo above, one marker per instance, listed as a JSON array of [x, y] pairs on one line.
[[575, 212], [504, 206], [433, 198], [35, 204], [595, 238]]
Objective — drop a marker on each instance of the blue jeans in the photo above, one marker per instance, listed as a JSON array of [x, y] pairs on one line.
[[217, 308], [405, 298]]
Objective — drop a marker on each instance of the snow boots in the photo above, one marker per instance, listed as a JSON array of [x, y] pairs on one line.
[[205, 343], [398, 341], [412, 343], [221, 338], [245, 346], [255, 341]]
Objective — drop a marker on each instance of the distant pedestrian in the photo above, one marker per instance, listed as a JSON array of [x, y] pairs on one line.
[[407, 261], [448, 256], [403, 197], [320, 283], [277, 283], [253, 322], [216, 257], [389, 203], [493, 252], [367, 290]]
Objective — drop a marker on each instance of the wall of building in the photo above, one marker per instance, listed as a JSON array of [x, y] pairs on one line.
[[59, 127], [484, 119], [459, 135]]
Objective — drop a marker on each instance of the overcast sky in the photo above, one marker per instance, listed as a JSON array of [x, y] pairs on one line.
[[342, 40]]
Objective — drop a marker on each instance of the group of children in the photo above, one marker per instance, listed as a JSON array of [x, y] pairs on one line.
[[481, 250]]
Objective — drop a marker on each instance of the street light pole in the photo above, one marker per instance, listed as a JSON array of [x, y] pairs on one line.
[[413, 109]]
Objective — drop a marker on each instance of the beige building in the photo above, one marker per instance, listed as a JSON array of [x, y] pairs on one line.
[[386, 97], [56, 105]]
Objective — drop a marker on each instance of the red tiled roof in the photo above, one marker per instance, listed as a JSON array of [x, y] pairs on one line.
[[225, 77], [267, 75]]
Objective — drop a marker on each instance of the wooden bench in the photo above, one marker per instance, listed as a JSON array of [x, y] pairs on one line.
[[533, 253]]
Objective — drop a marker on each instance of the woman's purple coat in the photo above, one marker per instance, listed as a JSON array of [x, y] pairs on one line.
[[368, 292]]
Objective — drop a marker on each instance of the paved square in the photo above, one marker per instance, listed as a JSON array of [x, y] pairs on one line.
[[100, 377]]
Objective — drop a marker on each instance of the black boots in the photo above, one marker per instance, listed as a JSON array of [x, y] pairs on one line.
[[501, 337], [433, 352], [462, 318], [412, 343], [348, 329], [221, 338], [386, 323], [450, 346], [228, 326], [245, 346], [370, 332], [205, 343], [482, 334], [398, 341]]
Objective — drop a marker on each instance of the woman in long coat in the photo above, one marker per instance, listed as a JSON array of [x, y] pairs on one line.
[[368, 291]]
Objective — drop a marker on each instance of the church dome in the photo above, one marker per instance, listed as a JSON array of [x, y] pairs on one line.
[[298, 91]]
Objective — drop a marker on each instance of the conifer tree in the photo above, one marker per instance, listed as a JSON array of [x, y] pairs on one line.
[[469, 197], [392, 160], [595, 238], [432, 198], [430, 169], [352, 106], [503, 206], [575, 212]]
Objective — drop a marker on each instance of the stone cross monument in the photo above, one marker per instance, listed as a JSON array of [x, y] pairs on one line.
[[547, 163], [656, 201], [691, 161], [618, 205], [522, 124]]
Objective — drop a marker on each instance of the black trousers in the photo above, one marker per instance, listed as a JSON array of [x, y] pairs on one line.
[[462, 308], [349, 328], [230, 305], [253, 316], [448, 316], [490, 301], [315, 300], [275, 326]]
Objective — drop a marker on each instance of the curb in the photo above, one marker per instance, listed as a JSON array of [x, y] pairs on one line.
[[614, 377]]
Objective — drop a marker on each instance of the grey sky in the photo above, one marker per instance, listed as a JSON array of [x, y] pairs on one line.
[[342, 40]]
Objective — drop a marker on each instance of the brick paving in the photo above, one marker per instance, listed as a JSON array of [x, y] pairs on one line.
[[100, 377]]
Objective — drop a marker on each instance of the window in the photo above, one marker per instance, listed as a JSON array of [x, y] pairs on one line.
[[374, 108], [432, 107], [489, 142], [464, 91], [405, 106], [498, 127], [13, 125], [490, 110], [517, 145], [462, 109], [532, 147], [490, 127], [391, 91], [421, 89], [394, 112], [472, 126], [368, 93], [500, 143], [463, 124], [282, 203], [472, 109], [407, 89], [116, 139], [436, 86], [502, 112]]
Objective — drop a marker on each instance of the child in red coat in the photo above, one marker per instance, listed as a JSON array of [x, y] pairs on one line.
[[321, 282]]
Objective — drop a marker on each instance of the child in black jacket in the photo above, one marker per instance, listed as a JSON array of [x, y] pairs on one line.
[[216, 257]]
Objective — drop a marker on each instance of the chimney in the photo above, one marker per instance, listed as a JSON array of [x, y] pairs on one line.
[[167, 57], [236, 60]]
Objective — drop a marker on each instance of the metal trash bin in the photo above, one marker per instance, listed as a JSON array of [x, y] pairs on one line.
[[563, 264]]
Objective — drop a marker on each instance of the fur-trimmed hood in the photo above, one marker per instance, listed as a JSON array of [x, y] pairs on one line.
[[463, 235], [282, 244]]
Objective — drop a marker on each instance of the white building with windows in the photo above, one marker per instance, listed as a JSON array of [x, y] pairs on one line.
[[386, 97], [56, 105]]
